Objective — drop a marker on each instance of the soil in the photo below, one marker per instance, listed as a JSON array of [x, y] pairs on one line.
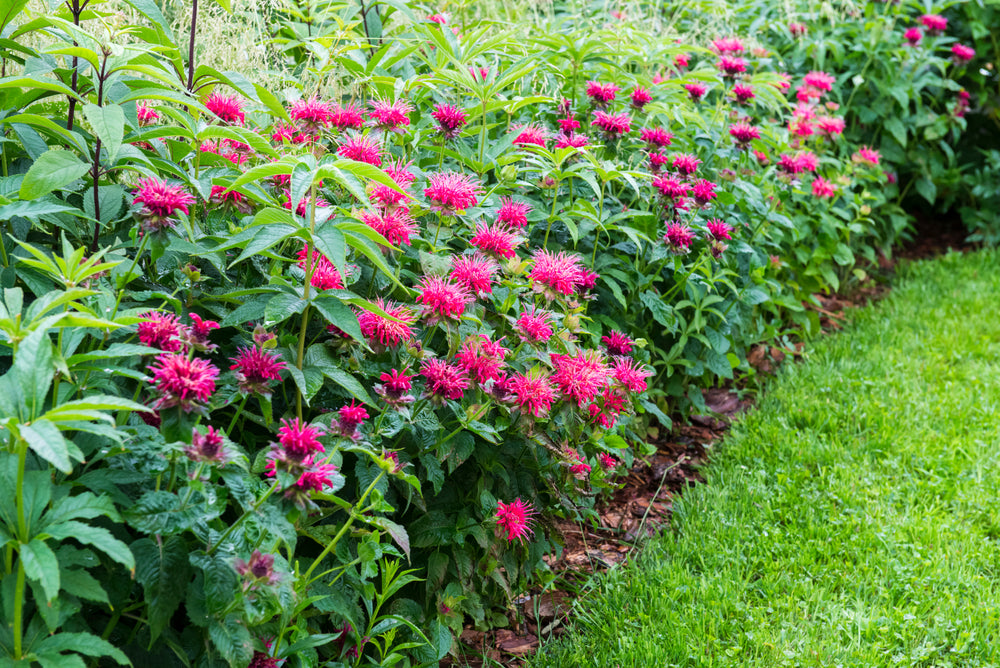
[[642, 506]]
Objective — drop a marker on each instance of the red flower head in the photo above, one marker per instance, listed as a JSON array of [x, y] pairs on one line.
[[640, 97], [719, 230], [513, 214], [613, 125], [400, 173], [682, 60], [361, 148], [208, 447], [730, 66], [728, 45], [568, 124], [325, 276], [670, 188], [631, 374], [475, 272], [514, 519], [761, 157], [685, 163], [160, 330], [556, 273], [530, 134], [797, 29], [255, 369], [572, 140], [533, 392], [656, 161], [394, 388], [283, 133], [703, 192], [440, 19], [678, 237], [349, 117], [228, 109], [450, 120], [302, 208], [196, 334], [387, 332], [451, 192], [496, 239], [351, 417], [913, 36], [298, 440], [656, 137], [823, 188], [961, 53], [442, 298], [617, 343], [534, 326], [743, 133], [830, 126], [160, 201], [443, 380], [696, 91], [580, 377], [866, 156], [389, 116], [311, 115], [743, 93], [259, 570], [147, 115], [396, 225], [819, 80], [935, 23], [482, 358], [182, 382], [601, 94], [577, 465]]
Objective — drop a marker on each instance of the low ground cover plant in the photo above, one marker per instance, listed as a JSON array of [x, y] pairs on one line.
[[293, 377]]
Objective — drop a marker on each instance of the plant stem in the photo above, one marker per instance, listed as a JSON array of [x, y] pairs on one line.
[[194, 23], [310, 268], [22, 531], [239, 411]]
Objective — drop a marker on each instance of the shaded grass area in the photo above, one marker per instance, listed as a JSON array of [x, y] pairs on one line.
[[851, 520]]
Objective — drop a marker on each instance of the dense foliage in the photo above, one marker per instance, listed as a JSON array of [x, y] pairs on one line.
[[298, 374]]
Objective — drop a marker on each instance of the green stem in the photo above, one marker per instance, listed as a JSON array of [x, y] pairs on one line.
[[22, 536], [135, 261], [482, 135], [19, 610], [310, 268], [239, 521], [239, 411]]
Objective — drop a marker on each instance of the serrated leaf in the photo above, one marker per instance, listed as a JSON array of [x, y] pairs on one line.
[[281, 307], [41, 565], [83, 643], [46, 441], [108, 123], [233, 640], [53, 169], [163, 571], [163, 513], [97, 537], [83, 585]]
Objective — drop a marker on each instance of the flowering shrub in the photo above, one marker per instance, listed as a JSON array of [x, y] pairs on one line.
[[261, 351]]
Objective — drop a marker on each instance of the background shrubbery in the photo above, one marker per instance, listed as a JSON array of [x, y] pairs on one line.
[[299, 359]]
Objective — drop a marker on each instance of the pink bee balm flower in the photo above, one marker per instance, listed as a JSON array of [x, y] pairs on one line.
[[961, 53], [703, 192], [731, 45], [255, 369], [819, 80], [743, 93], [208, 447], [451, 192], [160, 201], [807, 161], [196, 334], [450, 120], [315, 478], [913, 36], [482, 359], [442, 298], [608, 463], [146, 114], [696, 91], [556, 273], [390, 331], [631, 374], [183, 383], [440, 19], [349, 117], [311, 115], [617, 343], [513, 214], [719, 230], [533, 326], [389, 116], [228, 109], [515, 519], [823, 188], [475, 272], [657, 160], [613, 125], [283, 133], [401, 175], [656, 137], [324, 275], [671, 188], [731, 66], [830, 126], [443, 380], [580, 377], [396, 225], [600, 93], [394, 388], [350, 417], [533, 392], [640, 97], [743, 133], [682, 60], [761, 157], [679, 238], [797, 29], [495, 239], [531, 134], [361, 148], [568, 124], [572, 140], [800, 128], [302, 208], [685, 163], [866, 156], [299, 440], [160, 330], [935, 23]]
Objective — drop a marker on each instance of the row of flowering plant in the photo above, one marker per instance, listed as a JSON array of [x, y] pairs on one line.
[[265, 351]]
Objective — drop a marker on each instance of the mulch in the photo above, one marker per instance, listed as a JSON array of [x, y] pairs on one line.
[[642, 506]]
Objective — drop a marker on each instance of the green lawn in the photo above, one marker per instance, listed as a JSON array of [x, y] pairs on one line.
[[851, 520]]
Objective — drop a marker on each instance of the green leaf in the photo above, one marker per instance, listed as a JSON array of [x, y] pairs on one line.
[[46, 441], [162, 513], [151, 11], [232, 638], [925, 186], [53, 169], [661, 311], [330, 241], [97, 537], [718, 364], [33, 209], [842, 255], [9, 9], [281, 307], [83, 643], [41, 565], [108, 123], [319, 356], [163, 571], [265, 237], [896, 128], [83, 585], [336, 313]]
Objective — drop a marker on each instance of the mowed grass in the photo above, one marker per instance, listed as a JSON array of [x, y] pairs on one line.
[[853, 519]]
